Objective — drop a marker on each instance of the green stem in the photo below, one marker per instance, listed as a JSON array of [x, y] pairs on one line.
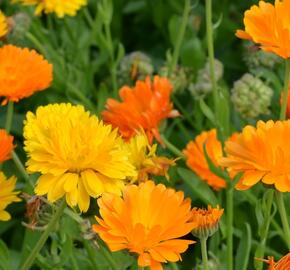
[[285, 91], [88, 17], [262, 245], [91, 254], [172, 148], [174, 266], [180, 37], [106, 253], [21, 168], [204, 252], [50, 227], [9, 116], [283, 215], [35, 42], [229, 221], [210, 47]]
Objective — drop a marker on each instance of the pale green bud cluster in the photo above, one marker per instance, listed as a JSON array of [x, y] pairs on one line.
[[19, 24], [251, 96]]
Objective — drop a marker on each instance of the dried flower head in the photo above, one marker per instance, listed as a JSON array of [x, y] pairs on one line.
[[77, 155], [148, 221], [22, 72], [6, 145], [142, 107]]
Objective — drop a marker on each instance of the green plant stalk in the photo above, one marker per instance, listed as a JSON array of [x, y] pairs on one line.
[[51, 225], [174, 266], [264, 236], [106, 253], [9, 116], [91, 254], [283, 215], [185, 16], [285, 90], [172, 148], [204, 253], [21, 168], [36, 43], [210, 47], [229, 222]]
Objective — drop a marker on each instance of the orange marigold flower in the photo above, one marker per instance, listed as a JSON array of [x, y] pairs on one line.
[[282, 264], [148, 220], [22, 72], [269, 26], [262, 154], [6, 145], [141, 107], [195, 157], [206, 221]]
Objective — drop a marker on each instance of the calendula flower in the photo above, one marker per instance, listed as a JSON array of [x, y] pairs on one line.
[[262, 154], [142, 107], [196, 160], [143, 157], [148, 221], [22, 72], [3, 25], [268, 25], [7, 195], [282, 264], [206, 221], [6, 145], [77, 155], [60, 8]]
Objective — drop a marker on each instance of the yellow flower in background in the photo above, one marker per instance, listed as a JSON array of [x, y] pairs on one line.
[[7, 195], [77, 155], [262, 153], [3, 25], [149, 220], [60, 8], [143, 157]]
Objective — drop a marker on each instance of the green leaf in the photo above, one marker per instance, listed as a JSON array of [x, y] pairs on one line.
[[244, 249], [4, 257], [207, 111]]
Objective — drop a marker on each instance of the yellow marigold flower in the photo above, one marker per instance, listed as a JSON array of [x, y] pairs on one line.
[[77, 155], [206, 221], [60, 8], [6, 145], [262, 154], [269, 26], [282, 264], [143, 157], [22, 72], [195, 157], [3, 25], [148, 221], [7, 195]]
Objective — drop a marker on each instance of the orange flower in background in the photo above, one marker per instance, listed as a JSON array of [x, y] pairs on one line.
[[195, 157], [22, 72], [6, 145], [262, 153], [282, 264], [206, 221], [148, 221], [269, 26], [141, 107]]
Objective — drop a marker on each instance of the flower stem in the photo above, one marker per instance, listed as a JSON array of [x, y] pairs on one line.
[[106, 253], [283, 215], [229, 221], [171, 147], [210, 48], [9, 116], [173, 266], [180, 37], [285, 90], [51, 225], [204, 252], [21, 168], [91, 254]]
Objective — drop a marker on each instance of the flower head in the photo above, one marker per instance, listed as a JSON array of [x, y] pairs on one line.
[[142, 107], [6, 145], [22, 72], [269, 26], [206, 221], [196, 160], [262, 153], [282, 264], [60, 8], [77, 155], [143, 157], [3, 25], [148, 220], [7, 195]]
